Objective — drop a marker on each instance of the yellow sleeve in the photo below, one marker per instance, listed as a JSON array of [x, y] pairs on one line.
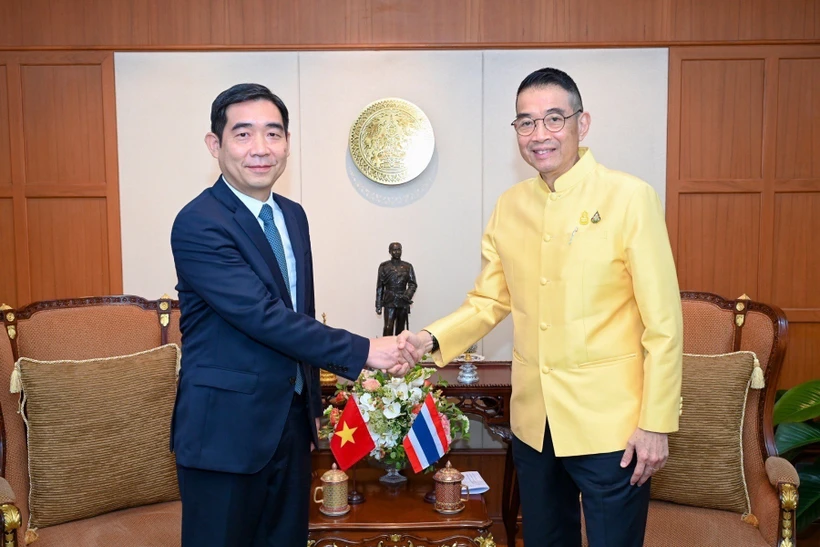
[[484, 308], [655, 285]]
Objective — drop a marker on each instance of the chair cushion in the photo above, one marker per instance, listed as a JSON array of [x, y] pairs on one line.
[[705, 465], [157, 525], [98, 433], [671, 525]]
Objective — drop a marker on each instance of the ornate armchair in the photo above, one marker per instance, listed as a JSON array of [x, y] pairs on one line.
[[714, 325], [78, 329]]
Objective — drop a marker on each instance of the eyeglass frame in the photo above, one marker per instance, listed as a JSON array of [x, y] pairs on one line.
[[544, 121]]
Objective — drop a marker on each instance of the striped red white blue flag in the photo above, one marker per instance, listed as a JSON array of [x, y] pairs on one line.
[[426, 442]]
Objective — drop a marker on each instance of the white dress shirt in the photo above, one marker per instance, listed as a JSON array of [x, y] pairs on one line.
[[255, 207]]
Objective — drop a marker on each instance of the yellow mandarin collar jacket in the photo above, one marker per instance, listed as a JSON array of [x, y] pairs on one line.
[[588, 275]]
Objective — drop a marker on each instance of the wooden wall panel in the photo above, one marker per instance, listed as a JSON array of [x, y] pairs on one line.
[[425, 22], [11, 18], [8, 262], [617, 20], [708, 20], [366, 23], [718, 250], [60, 216], [188, 22], [743, 194], [722, 103], [544, 21], [334, 22], [259, 22], [523, 21], [796, 275], [63, 124], [798, 119], [69, 247], [802, 354], [86, 23], [5, 130]]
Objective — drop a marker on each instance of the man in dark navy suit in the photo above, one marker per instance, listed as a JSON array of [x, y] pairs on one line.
[[248, 402]]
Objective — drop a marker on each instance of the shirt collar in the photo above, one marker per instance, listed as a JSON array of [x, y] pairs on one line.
[[584, 166], [253, 204]]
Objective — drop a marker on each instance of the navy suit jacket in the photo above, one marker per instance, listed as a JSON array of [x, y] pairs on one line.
[[241, 338]]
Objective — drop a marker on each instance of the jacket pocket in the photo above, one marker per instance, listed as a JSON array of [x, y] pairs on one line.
[[517, 357], [222, 378], [608, 361]]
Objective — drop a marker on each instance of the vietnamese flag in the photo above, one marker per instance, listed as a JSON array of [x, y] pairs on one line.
[[351, 440]]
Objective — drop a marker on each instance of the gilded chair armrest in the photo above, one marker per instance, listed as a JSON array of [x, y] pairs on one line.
[[781, 471], [783, 476], [9, 513], [6, 493]]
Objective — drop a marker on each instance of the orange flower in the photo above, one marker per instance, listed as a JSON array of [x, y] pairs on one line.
[[335, 414]]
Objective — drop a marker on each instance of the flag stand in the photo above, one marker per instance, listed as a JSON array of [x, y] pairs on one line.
[[354, 497]]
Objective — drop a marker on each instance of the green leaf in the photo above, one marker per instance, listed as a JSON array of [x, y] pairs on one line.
[[808, 506], [790, 436], [798, 404]]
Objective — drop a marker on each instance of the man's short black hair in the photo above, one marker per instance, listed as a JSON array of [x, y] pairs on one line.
[[241, 93], [545, 77]]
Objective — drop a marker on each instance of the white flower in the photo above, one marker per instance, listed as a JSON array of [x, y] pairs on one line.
[[392, 410], [402, 392], [366, 402], [415, 395], [418, 382]]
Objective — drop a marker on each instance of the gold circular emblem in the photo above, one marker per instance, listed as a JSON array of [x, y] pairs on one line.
[[391, 141]]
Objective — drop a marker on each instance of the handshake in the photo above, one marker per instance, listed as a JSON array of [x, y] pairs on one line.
[[396, 354]]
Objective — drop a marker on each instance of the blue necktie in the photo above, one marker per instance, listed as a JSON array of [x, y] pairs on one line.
[[275, 240]]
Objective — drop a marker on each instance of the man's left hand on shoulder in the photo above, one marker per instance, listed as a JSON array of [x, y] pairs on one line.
[[651, 449]]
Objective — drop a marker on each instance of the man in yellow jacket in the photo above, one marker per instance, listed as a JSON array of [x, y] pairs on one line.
[[580, 256]]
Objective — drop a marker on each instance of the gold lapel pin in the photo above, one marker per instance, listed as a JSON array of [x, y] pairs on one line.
[[596, 218], [584, 218]]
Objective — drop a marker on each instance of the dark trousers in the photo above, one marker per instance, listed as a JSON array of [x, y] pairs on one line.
[[614, 511], [265, 509], [395, 321]]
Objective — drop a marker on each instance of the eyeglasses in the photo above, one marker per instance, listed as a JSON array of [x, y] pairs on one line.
[[553, 122]]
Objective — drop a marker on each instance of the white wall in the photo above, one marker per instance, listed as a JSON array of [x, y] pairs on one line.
[[163, 105], [624, 91], [163, 113]]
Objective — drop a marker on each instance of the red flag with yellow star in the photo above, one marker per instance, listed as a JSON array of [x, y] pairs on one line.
[[351, 440]]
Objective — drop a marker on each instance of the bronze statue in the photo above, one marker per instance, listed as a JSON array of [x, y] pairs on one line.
[[394, 291]]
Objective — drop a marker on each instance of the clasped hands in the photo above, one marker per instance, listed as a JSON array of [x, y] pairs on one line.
[[396, 354]]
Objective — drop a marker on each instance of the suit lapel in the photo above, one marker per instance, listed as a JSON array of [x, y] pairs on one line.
[[251, 227], [295, 235]]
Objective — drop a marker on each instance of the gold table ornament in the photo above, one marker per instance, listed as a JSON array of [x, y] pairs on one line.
[[391, 142], [326, 378]]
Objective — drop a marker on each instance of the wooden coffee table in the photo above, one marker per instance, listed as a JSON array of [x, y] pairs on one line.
[[398, 516]]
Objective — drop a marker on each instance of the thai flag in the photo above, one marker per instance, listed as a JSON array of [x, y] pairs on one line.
[[426, 442]]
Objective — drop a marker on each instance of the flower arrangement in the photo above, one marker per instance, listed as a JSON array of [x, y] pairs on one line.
[[389, 405]]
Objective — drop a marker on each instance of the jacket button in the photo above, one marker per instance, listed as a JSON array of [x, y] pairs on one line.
[[547, 370], [548, 238], [292, 380], [553, 196], [544, 326]]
